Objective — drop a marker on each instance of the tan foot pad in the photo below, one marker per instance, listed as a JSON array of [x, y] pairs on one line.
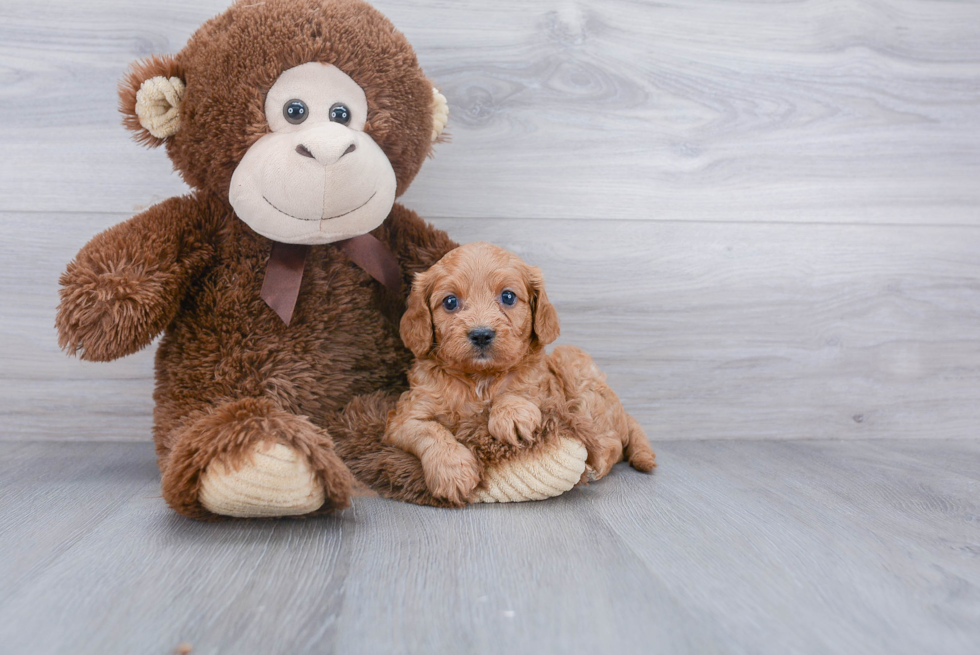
[[277, 482], [551, 472]]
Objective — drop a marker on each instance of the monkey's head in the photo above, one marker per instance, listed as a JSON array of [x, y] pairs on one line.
[[309, 116]]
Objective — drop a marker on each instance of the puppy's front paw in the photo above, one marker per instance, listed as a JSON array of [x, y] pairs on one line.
[[451, 472], [515, 420]]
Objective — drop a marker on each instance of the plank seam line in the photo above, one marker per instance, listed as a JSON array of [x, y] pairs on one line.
[[871, 224]]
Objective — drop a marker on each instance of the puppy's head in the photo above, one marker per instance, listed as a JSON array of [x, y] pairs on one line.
[[479, 309]]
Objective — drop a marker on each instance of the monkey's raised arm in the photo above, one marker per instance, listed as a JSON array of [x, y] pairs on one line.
[[127, 283], [415, 244]]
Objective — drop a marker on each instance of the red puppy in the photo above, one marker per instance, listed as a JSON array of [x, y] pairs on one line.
[[478, 322]]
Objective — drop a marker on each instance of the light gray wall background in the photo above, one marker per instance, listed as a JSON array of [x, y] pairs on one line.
[[761, 218]]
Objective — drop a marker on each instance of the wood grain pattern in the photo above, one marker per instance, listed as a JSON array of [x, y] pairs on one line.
[[758, 547], [706, 330], [731, 119], [783, 246], [858, 111]]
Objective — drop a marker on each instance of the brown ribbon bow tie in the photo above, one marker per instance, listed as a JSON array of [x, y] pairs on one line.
[[284, 272]]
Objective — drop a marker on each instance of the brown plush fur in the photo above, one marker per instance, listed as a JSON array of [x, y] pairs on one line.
[[229, 373], [459, 382], [156, 65], [232, 60]]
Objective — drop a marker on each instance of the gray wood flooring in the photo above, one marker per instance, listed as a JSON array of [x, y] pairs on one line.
[[730, 547]]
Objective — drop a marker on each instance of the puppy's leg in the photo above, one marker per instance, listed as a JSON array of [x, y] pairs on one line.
[[513, 418], [619, 433], [450, 469], [605, 452], [638, 450]]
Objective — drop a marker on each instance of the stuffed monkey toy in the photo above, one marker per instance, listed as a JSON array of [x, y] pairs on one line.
[[279, 281]]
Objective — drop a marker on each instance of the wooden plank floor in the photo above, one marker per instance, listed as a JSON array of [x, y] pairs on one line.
[[730, 547]]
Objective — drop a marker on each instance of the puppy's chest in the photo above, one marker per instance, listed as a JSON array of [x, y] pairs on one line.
[[465, 411], [471, 406]]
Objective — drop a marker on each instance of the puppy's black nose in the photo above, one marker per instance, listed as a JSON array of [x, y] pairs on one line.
[[481, 336]]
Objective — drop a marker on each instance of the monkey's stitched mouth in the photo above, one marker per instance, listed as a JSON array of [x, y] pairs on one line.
[[328, 218]]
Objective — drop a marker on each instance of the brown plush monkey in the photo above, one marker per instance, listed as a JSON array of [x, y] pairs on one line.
[[279, 281]]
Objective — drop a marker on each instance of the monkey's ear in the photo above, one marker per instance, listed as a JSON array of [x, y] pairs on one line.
[[440, 116], [149, 99], [416, 325], [545, 326]]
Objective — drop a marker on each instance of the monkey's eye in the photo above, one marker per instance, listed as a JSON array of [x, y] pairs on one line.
[[295, 111], [450, 303], [339, 113], [508, 297]]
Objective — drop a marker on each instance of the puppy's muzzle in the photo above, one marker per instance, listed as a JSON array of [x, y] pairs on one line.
[[481, 337]]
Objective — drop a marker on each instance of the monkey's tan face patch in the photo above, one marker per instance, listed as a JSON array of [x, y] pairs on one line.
[[316, 177]]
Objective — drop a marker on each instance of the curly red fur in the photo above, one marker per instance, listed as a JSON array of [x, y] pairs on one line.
[[503, 384]]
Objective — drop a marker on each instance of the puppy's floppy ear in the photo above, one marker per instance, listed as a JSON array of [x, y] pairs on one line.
[[545, 325], [149, 99], [416, 326]]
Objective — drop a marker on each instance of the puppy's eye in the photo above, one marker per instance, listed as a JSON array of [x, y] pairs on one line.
[[295, 111], [508, 297], [450, 303], [339, 113]]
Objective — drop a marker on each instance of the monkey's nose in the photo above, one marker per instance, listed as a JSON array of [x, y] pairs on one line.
[[481, 336], [306, 152]]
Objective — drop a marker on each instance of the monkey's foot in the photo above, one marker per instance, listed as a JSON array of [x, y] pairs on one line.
[[548, 472], [273, 480]]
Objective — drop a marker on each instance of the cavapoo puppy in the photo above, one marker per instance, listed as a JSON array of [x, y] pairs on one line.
[[478, 322]]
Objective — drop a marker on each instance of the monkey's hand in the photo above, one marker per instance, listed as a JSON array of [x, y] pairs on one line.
[[127, 283]]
